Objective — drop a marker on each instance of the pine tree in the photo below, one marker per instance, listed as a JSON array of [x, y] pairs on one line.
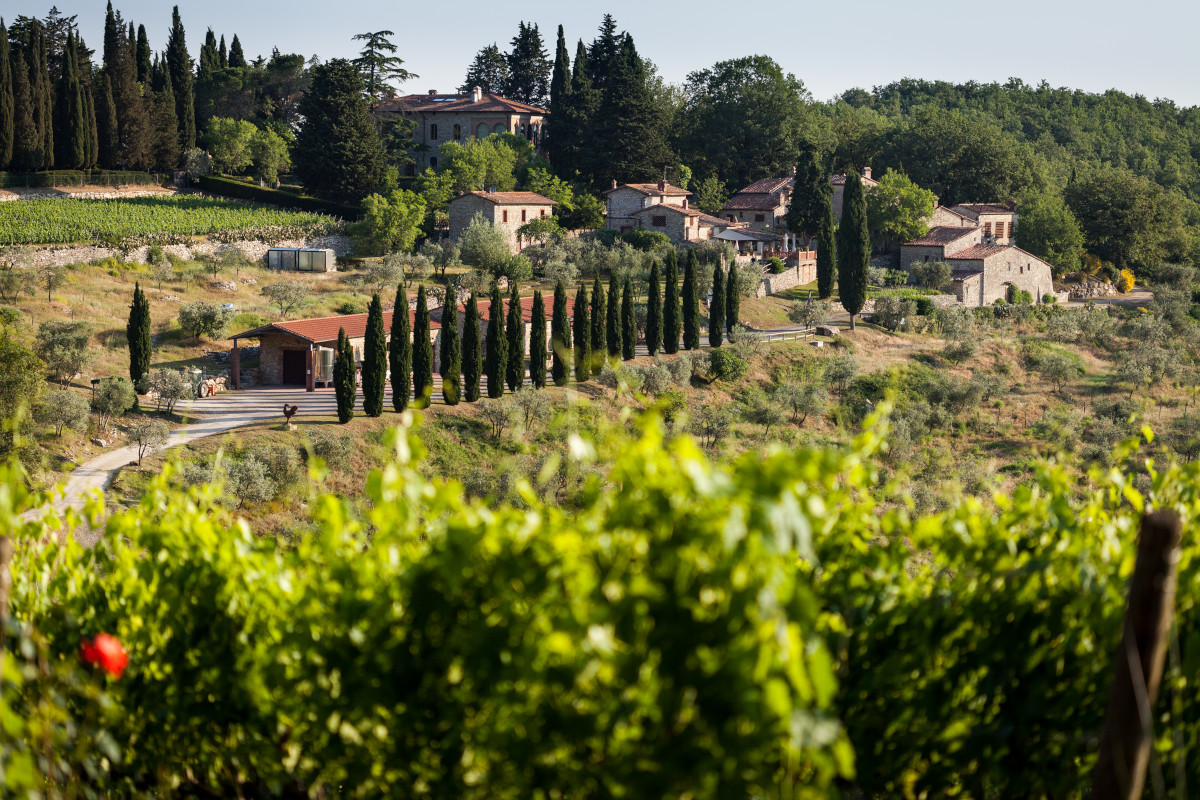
[[598, 321], [489, 71], [108, 140], [583, 336], [537, 342], [400, 352], [716, 309], [654, 311], [560, 89], [344, 387], [612, 321], [472, 358], [630, 135], [573, 151], [337, 151], [223, 53], [560, 338], [450, 356], [143, 56], [497, 345], [7, 108], [810, 193], [514, 327], [422, 353], [137, 333], [26, 144], [826, 251], [671, 319], [853, 248], [374, 365], [528, 67], [179, 63], [691, 309], [628, 324], [237, 59], [733, 298], [604, 54]]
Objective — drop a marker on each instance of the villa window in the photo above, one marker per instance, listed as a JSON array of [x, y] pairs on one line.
[[482, 131], [523, 213], [760, 218], [504, 216], [457, 132], [987, 229], [433, 162], [659, 221], [433, 131]]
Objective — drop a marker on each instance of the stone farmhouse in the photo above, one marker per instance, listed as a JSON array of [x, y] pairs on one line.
[[999, 221], [507, 211], [839, 189], [441, 118], [659, 207], [982, 270]]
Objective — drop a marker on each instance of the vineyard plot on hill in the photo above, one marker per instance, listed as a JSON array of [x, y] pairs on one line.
[[147, 220]]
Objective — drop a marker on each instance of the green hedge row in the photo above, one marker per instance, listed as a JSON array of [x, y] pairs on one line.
[[231, 187], [46, 180]]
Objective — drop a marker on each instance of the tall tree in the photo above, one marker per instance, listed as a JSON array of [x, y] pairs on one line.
[[560, 338], [379, 65], [223, 53], [137, 333], [450, 356], [628, 323], [344, 378], [166, 153], [108, 139], [583, 336], [826, 251], [691, 299], [497, 345], [489, 71], [210, 58], [112, 40], [26, 143], [604, 55], [612, 323], [853, 248], [143, 55], [514, 327], [654, 311], [135, 134], [597, 320], [733, 298], [400, 351], [87, 80], [1126, 218], [472, 358], [537, 342], [237, 59], [70, 114], [422, 353], [7, 108], [716, 309], [574, 153], [528, 67], [560, 89], [41, 95], [179, 63], [630, 132], [671, 319], [1050, 231], [374, 365], [337, 151], [811, 192]]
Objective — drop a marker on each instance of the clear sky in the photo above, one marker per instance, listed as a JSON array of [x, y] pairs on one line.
[[1146, 47]]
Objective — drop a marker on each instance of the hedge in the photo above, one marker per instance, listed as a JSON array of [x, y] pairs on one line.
[[47, 180], [231, 187]]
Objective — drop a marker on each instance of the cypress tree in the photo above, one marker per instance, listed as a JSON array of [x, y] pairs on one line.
[[236, 57], [112, 42], [67, 113], [107, 135], [472, 359], [26, 145], [570, 125], [179, 64], [612, 321], [210, 59], [629, 132], [422, 353], [583, 336], [223, 52], [166, 127], [599, 321], [143, 56], [628, 325], [691, 310], [654, 310], [671, 321], [826, 251], [716, 309], [400, 352], [560, 89], [450, 357], [43, 102], [810, 192], [337, 151], [7, 109], [137, 333], [344, 388], [374, 377], [87, 91], [135, 133], [560, 338], [733, 298], [514, 327], [853, 248], [497, 345], [537, 342]]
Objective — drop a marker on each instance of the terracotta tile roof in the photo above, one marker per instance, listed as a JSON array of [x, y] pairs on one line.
[[458, 103], [973, 210], [942, 234], [510, 198], [325, 329], [660, 207], [652, 190], [746, 201], [949, 210], [709, 219], [978, 252], [769, 186]]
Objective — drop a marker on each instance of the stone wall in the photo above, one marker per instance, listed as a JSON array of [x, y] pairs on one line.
[[772, 283], [8, 195], [463, 210], [253, 249]]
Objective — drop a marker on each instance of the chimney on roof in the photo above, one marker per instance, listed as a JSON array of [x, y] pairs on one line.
[[867, 173], [614, 183], [685, 202], [793, 170], [433, 92], [662, 186], [476, 94]]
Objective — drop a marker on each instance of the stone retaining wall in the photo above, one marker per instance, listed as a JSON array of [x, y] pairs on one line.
[[17, 193], [253, 249], [774, 283]]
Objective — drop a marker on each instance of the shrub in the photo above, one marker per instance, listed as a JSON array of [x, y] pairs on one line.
[[114, 396], [63, 408], [1125, 281], [775, 264], [334, 449], [249, 482], [891, 312], [930, 274], [725, 365], [201, 318], [646, 241], [282, 465], [1049, 298], [350, 307]]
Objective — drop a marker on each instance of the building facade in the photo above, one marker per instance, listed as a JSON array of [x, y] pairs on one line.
[[998, 220], [624, 201], [982, 270], [507, 211]]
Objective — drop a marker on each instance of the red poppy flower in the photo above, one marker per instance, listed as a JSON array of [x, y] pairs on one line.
[[105, 651]]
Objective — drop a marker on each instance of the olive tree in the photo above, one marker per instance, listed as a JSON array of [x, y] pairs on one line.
[[170, 387], [288, 295], [64, 347], [114, 396], [148, 436], [63, 408]]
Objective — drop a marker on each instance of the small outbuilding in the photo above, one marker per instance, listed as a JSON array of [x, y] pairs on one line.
[[301, 259]]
